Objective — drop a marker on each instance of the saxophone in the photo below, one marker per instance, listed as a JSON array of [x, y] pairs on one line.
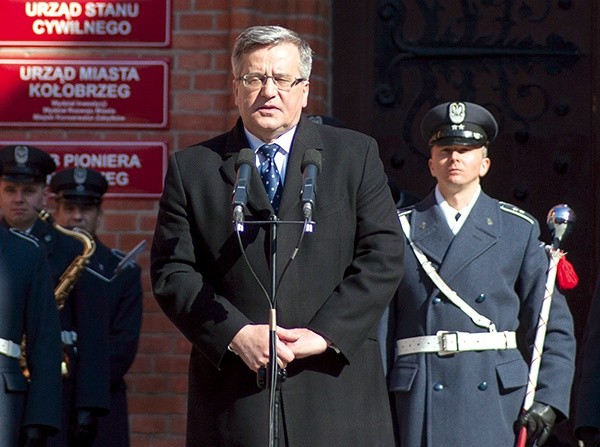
[[67, 280], [71, 274]]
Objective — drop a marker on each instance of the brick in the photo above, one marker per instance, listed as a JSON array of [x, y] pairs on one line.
[[148, 384], [196, 21], [157, 404], [157, 322], [148, 424], [152, 343], [172, 364], [179, 383], [178, 424]]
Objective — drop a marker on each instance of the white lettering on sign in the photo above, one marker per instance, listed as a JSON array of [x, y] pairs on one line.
[[102, 161], [120, 178], [94, 27], [69, 10], [47, 73], [105, 9], [93, 73], [97, 91], [53, 9]]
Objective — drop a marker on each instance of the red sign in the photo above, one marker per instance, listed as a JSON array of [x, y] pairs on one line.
[[132, 169], [84, 93], [86, 23]]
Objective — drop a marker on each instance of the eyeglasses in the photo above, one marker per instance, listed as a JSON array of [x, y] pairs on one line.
[[283, 82]]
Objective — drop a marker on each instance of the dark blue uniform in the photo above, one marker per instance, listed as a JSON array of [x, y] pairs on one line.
[[124, 299], [463, 343], [497, 264], [27, 308], [86, 314], [82, 189]]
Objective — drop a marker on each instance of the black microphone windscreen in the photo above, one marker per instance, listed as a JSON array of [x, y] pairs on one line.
[[312, 157], [245, 156]]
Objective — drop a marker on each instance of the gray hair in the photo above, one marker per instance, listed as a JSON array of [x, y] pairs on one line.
[[258, 36]]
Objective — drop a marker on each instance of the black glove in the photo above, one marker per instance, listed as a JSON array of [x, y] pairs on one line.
[[83, 429], [34, 436], [589, 435], [538, 420]]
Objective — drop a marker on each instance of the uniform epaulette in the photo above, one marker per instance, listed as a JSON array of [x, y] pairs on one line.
[[515, 210], [118, 253], [28, 237]]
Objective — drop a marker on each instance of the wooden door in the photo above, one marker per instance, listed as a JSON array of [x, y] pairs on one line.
[[531, 63]]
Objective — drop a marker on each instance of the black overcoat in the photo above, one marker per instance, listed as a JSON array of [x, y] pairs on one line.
[[338, 285]]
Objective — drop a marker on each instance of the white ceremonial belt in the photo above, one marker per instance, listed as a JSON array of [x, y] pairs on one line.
[[448, 342], [9, 348], [68, 337]]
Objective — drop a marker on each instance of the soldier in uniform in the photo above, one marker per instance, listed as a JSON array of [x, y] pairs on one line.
[[29, 409], [463, 343], [79, 194], [84, 317]]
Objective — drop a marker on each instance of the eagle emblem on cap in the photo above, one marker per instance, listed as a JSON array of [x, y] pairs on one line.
[[457, 112], [21, 155], [80, 176]]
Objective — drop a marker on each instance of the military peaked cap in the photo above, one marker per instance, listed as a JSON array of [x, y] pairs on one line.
[[460, 123], [24, 164], [79, 184]]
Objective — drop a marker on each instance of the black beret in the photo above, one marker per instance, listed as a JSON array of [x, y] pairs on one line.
[[24, 164], [461, 123], [79, 184]]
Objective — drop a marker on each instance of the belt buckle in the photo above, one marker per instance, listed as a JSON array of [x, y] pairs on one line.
[[448, 343]]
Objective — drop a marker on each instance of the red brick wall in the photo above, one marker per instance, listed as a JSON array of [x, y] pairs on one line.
[[201, 106]]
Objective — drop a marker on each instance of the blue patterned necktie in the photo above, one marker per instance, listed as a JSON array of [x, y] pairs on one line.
[[270, 175]]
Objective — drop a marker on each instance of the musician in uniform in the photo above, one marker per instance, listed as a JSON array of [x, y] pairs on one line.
[[79, 193], [460, 361], [29, 409], [84, 317]]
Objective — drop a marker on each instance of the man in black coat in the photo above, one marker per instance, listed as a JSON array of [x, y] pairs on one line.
[[84, 317], [330, 291], [29, 409], [79, 193]]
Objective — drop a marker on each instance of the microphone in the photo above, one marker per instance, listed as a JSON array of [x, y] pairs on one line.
[[243, 165], [311, 166]]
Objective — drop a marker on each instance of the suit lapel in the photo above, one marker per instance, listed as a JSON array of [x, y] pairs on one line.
[[258, 201], [480, 231], [306, 137], [429, 230]]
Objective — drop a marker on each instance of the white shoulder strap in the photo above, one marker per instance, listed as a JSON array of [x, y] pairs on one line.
[[476, 317]]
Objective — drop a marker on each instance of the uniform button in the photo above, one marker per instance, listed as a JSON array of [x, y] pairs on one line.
[[480, 298], [437, 300], [438, 387], [482, 386]]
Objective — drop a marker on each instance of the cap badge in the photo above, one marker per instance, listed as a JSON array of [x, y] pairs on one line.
[[80, 175], [21, 154], [457, 112]]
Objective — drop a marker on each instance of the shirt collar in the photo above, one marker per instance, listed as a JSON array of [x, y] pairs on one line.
[[450, 213], [284, 140]]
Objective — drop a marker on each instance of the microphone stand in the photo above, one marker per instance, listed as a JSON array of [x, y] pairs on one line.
[[273, 376]]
